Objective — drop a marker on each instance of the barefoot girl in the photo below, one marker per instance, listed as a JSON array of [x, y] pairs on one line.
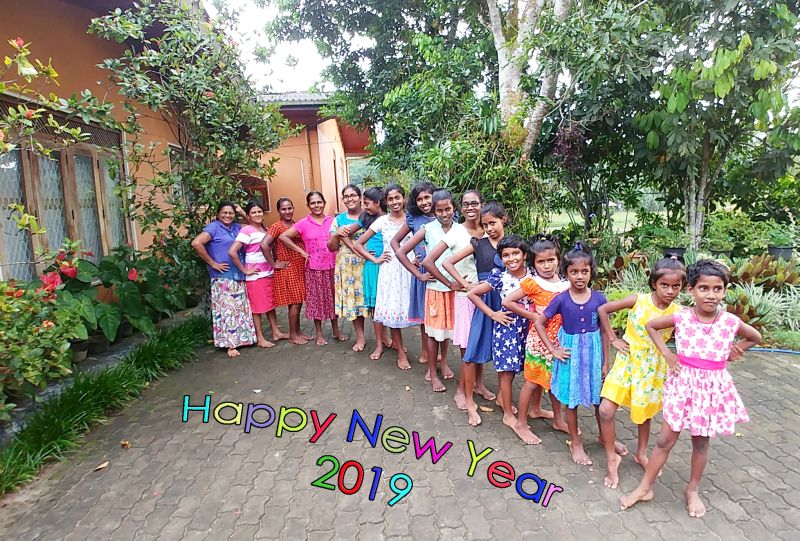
[[540, 289], [509, 330], [257, 269], [349, 302], [638, 373], [230, 311], [374, 205], [289, 277], [479, 343], [457, 239], [578, 373], [314, 231], [439, 297], [699, 394], [394, 281], [419, 211]]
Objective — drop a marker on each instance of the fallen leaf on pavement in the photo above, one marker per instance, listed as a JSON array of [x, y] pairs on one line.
[[739, 435], [102, 466], [125, 444], [487, 409], [256, 391], [408, 387]]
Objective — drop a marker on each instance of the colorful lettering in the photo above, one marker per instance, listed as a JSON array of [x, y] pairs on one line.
[[205, 408], [540, 482], [320, 429], [358, 420], [237, 406], [475, 458], [282, 421], [250, 422], [401, 438], [500, 469]]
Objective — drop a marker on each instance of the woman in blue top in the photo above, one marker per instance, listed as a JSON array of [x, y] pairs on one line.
[[230, 311]]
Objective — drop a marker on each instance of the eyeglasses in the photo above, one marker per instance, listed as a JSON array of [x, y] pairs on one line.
[[471, 204], [351, 196]]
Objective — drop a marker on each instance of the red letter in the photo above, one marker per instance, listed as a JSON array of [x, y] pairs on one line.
[[506, 473]]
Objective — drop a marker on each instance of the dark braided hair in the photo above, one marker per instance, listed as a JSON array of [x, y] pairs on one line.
[[580, 251]]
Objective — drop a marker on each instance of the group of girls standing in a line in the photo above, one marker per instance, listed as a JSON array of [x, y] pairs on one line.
[[521, 304]]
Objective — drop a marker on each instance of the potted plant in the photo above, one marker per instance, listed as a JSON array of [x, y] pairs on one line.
[[718, 241], [673, 242], [780, 240]]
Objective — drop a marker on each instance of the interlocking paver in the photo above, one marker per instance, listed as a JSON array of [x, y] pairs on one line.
[[211, 481]]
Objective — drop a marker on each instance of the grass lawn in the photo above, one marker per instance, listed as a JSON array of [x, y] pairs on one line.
[[623, 220]]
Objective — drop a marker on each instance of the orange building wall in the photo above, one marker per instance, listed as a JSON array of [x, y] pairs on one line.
[[57, 30]]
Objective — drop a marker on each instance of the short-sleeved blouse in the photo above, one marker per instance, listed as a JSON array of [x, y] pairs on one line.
[[222, 238], [251, 236], [706, 341], [541, 291], [577, 318], [456, 239], [375, 243], [282, 252], [315, 237]]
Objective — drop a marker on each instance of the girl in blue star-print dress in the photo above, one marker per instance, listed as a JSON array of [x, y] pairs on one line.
[[509, 330]]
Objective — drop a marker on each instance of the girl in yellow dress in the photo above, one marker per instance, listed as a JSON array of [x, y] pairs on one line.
[[637, 377]]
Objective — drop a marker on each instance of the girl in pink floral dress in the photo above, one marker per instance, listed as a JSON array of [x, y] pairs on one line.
[[699, 394]]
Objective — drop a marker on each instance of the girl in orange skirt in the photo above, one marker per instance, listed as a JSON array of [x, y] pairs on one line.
[[439, 297], [540, 290]]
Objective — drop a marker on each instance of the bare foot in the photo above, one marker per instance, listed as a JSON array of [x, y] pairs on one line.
[[539, 413], [461, 400], [485, 393], [402, 363], [233, 352], [620, 448], [264, 343], [280, 336], [423, 359], [359, 345], [694, 504], [321, 341], [436, 384], [562, 426], [306, 337], [446, 372], [299, 340], [638, 495], [513, 407], [472, 415], [579, 455], [378, 353], [525, 434], [612, 479], [342, 337], [510, 421]]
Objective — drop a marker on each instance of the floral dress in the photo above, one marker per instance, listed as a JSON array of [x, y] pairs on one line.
[[538, 360], [347, 281], [637, 378], [394, 281]]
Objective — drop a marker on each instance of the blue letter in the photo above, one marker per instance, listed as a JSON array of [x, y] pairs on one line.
[[536, 496], [371, 436], [250, 422], [205, 408]]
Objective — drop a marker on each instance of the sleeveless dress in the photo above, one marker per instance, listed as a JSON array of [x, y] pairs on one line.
[[479, 346], [637, 378], [538, 360], [701, 397], [348, 279], [394, 281]]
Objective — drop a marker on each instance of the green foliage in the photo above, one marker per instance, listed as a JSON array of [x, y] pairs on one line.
[[57, 426], [188, 71], [766, 271], [755, 305], [784, 339], [619, 319]]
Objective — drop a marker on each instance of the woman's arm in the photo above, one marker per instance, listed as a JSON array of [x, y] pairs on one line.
[[560, 353], [199, 245], [266, 247], [233, 252], [653, 327], [474, 295], [402, 256], [450, 265], [359, 247], [510, 303], [286, 238], [401, 234], [605, 323]]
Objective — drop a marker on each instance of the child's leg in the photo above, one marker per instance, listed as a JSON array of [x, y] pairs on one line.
[[468, 371], [558, 416], [320, 338], [379, 330], [447, 373], [605, 421], [521, 427], [433, 349], [277, 334], [579, 455], [397, 343], [461, 396], [423, 337], [336, 332], [536, 411], [641, 450], [699, 458], [361, 340], [505, 380], [666, 440], [260, 340], [480, 388]]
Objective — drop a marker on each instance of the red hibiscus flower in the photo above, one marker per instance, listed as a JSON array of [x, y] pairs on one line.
[[133, 275], [51, 280], [68, 270]]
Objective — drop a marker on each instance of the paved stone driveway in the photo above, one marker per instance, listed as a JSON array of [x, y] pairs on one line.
[[210, 481]]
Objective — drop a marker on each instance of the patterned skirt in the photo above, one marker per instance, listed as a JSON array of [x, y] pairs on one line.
[[464, 310], [577, 381], [538, 360], [636, 381], [319, 293], [439, 315], [290, 284], [349, 293], [231, 319], [703, 401]]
